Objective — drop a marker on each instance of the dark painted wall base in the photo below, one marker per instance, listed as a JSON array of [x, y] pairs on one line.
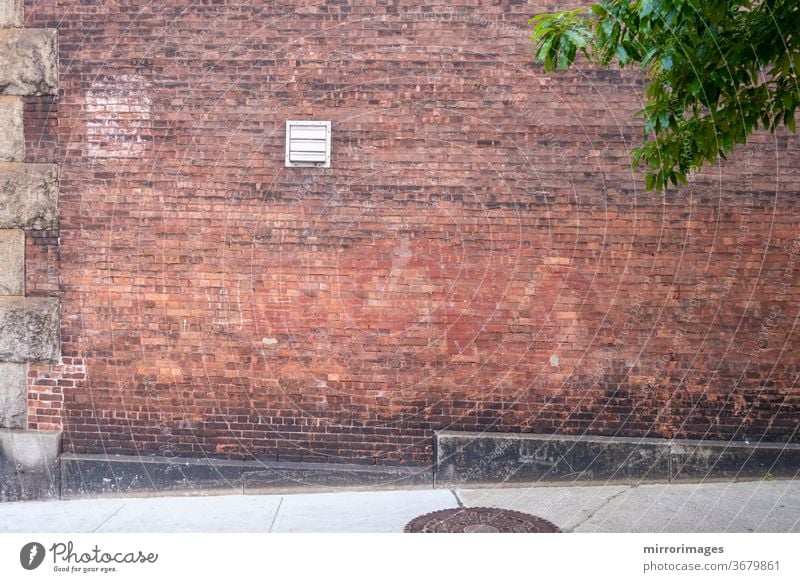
[[464, 458], [86, 475], [461, 459]]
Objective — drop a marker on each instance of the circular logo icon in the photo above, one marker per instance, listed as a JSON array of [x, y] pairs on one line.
[[32, 555]]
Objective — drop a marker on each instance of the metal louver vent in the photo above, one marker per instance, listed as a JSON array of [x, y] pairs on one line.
[[308, 143]]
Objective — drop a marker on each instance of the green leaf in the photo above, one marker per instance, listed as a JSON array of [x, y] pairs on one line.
[[540, 17], [663, 120], [599, 10], [622, 54], [545, 50], [713, 73], [649, 56], [673, 178], [575, 38]]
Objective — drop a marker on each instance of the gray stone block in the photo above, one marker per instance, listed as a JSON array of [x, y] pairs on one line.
[[464, 458], [28, 61], [30, 329], [12, 133], [267, 475], [12, 262], [13, 395], [28, 196], [29, 464], [695, 460], [496, 458], [86, 475], [11, 13]]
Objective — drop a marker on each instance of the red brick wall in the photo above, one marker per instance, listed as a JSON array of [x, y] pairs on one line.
[[478, 257]]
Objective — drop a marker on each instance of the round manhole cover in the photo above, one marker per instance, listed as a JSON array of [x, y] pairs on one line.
[[479, 520]]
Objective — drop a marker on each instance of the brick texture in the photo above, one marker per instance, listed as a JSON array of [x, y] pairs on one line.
[[479, 256], [46, 385]]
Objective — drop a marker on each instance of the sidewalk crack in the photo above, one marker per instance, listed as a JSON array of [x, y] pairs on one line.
[[275, 517], [106, 520], [592, 514]]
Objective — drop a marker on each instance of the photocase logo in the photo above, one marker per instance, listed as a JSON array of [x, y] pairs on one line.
[[32, 555]]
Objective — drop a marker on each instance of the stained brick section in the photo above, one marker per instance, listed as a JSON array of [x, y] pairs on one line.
[[41, 124], [46, 392], [478, 257]]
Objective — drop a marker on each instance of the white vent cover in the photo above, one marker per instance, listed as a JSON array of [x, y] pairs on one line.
[[308, 143]]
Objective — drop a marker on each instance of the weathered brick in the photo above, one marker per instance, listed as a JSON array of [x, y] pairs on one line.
[[478, 219]]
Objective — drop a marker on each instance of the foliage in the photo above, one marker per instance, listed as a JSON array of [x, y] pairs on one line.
[[716, 70]]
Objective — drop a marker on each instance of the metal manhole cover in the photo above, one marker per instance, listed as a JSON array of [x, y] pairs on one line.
[[479, 520]]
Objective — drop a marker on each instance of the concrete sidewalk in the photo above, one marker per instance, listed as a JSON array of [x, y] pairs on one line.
[[757, 506]]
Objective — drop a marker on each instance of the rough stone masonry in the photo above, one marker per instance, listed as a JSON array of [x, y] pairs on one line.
[[478, 257], [29, 326]]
